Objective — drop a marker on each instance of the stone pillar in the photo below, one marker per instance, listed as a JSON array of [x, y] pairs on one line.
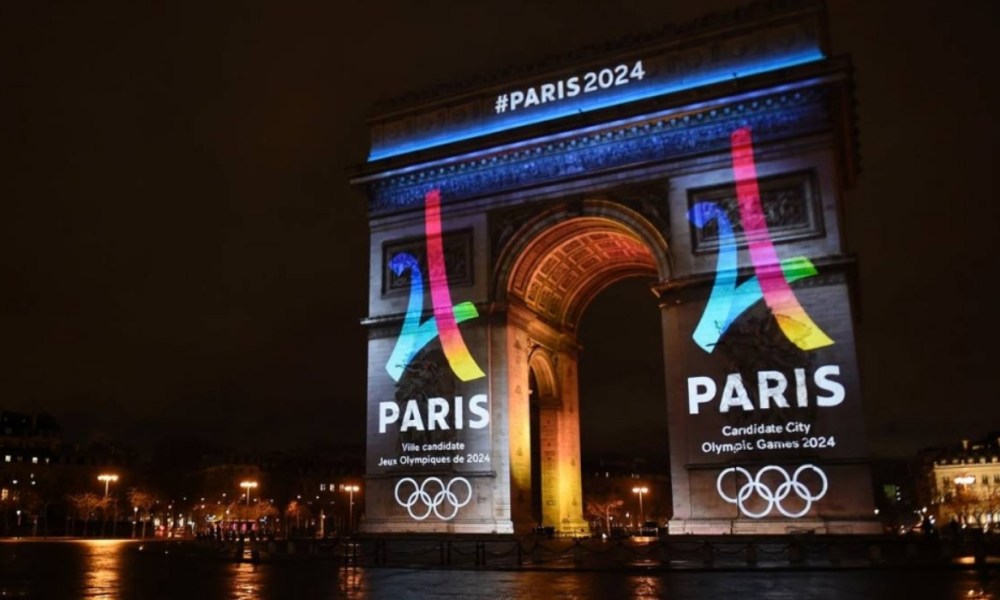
[[519, 429], [567, 462]]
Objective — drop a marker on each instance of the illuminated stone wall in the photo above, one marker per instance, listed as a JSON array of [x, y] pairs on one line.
[[485, 253]]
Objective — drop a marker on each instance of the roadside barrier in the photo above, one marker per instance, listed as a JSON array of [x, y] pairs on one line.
[[663, 553]]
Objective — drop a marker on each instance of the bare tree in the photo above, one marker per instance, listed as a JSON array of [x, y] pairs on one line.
[[991, 500], [31, 503], [262, 510], [144, 501], [603, 510], [84, 506], [973, 503], [298, 511]]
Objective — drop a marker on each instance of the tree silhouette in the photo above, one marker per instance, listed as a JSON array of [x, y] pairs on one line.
[[298, 511], [84, 506], [603, 509], [144, 501]]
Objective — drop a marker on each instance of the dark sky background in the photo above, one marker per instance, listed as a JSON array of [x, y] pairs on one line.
[[180, 251]]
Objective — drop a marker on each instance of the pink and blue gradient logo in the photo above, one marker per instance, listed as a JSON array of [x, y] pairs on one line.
[[444, 323], [772, 276]]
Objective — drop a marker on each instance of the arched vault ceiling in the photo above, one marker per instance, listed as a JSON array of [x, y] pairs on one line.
[[569, 263]]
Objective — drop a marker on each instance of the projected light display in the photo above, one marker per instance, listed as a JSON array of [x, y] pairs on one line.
[[774, 386], [725, 197], [415, 335], [710, 161], [663, 72], [444, 324], [438, 421], [421, 503], [788, 487], [728, 301]]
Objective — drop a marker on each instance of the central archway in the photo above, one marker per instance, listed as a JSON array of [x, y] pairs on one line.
[[547, 275]]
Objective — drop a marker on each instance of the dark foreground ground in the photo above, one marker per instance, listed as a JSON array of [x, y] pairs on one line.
[[122, 569]]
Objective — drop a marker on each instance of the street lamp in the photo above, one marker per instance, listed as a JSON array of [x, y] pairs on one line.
[[248, 485], [350, 489], [107, 479], [642, 515]]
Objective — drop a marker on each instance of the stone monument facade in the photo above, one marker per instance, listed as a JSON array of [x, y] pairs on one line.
[[709, 160]]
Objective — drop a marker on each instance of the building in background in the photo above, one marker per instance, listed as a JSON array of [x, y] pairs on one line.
[[962, 483], [47, 484], [188, 486], [623, 497]]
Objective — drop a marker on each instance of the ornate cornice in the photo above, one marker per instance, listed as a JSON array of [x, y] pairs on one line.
[[771, 117]]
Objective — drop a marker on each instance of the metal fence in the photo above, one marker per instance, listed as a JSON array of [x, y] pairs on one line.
[[664, 553]]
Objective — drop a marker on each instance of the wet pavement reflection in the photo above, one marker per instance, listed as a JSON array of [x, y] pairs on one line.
[[123, 569], [102, 564], [247, 581]]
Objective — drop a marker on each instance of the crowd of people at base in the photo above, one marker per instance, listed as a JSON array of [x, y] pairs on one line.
[[953, 530], [219, 534]]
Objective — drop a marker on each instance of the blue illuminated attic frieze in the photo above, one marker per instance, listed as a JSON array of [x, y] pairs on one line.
[[507, 119], [772, 117]]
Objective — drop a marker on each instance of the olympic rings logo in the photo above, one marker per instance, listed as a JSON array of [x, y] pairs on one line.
[[424, 494], [773, 498]]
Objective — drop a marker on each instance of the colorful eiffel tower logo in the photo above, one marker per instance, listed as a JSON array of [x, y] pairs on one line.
[[444, 324], [772, 276]]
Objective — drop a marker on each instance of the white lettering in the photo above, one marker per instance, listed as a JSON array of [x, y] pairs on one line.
[[767, 393], [548, 92], [801, 393], [530, 98], [572, 87], [754, 429], [388, 412], [435, 414], [763, 444], [593, 81], [700, 391], [411, 417], [477, 407], [798, 427], [515, 99], [437, 410], [823, 382], [770, 391], [734, 394]]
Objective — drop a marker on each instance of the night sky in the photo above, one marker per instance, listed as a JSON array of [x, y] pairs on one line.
[[180, 252]]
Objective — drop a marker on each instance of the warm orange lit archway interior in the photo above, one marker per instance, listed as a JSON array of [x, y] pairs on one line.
[[562, 262]]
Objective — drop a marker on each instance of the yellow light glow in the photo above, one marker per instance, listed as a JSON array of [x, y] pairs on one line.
[[107, 479]]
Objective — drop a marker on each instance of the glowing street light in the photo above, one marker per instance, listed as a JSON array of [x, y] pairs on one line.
[[107, 479], [350, 518], [642, 515], [248, 485]]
